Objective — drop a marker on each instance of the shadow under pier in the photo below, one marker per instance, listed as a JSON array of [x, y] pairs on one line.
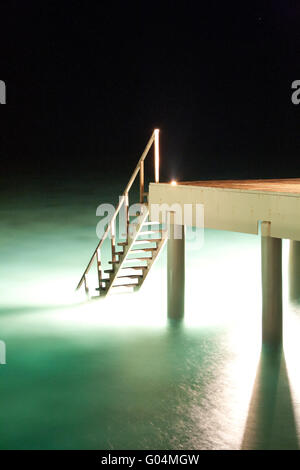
[[271, 421]]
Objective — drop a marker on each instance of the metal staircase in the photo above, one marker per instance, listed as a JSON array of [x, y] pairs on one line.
[[130, 260]]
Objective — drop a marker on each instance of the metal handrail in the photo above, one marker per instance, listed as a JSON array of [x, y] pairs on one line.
[[124, 199]]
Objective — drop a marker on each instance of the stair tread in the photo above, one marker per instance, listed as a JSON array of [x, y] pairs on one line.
[[137, 266], [141, 250], [126, 285], [134, 267], [150, 240], [132, 276], [151, 223], [149, 232]]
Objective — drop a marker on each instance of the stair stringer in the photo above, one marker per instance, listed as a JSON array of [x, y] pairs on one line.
[[123, 255], [155, 256]]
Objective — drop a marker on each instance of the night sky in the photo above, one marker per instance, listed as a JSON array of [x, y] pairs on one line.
[[87, 83]]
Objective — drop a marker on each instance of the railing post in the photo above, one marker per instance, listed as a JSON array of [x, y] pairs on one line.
[[113, 241], [156, 155], [99, 272], [142, 184], [126, 205]]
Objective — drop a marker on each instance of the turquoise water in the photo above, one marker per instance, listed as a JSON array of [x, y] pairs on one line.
[[115, 374]]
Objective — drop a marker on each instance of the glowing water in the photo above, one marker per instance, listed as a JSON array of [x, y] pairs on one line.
[[115, 374]]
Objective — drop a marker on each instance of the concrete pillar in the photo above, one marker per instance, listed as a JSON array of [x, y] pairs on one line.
[[271, 258], [176, 270], [294, 270]]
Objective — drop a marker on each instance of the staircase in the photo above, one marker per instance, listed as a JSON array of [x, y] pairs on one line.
[[130, 260], [134, 257]]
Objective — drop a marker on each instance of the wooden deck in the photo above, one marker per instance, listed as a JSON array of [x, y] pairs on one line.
[[281, 186]]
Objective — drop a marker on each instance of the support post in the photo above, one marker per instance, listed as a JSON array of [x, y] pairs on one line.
[[294, 270], [176, 269], [271, 259]]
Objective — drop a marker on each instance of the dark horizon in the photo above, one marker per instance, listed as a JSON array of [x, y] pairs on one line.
[[87, 84]]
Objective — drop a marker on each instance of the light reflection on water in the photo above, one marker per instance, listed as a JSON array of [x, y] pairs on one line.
[[115, 373]]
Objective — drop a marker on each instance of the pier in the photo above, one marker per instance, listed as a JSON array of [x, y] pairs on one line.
[[267, 208]]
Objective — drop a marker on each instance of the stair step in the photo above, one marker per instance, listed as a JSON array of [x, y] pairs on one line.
[[136, 268], [126, 285], [129, 276], [109, 271], [134, 260], [149, 232], [141, 250], [146, 242], [114, 262], [138, 258], [132, 272], [151, 223], [122, 243], [133, 280]]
